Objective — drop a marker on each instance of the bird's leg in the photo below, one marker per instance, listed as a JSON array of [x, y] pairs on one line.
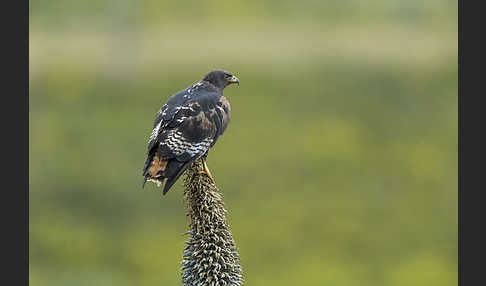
[[205, 169]]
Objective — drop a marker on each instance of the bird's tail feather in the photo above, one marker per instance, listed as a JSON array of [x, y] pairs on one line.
[[144, 180], [169, 171], [147, 164], [172, 179]]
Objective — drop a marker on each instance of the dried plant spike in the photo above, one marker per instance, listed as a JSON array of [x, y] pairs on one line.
[[210, 256]]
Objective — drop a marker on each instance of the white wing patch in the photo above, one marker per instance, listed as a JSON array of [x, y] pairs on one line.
[[179, 145], [164, 109], [199, 148], [155, 132], [182, 118], [221, 109], [193, 87]]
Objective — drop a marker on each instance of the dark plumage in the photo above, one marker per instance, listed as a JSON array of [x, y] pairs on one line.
[[186, 127]]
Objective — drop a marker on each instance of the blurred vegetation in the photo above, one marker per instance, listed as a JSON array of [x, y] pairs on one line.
[[339, 166]]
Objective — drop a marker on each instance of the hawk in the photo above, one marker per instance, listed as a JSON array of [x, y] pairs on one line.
[[186, 127]]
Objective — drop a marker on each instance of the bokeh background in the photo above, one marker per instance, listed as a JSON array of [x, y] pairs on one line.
[[339, 166]]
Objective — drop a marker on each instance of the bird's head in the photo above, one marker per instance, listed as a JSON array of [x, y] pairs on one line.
[[221, 78]]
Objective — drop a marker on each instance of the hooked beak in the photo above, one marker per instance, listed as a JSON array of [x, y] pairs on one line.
[[234, 79]]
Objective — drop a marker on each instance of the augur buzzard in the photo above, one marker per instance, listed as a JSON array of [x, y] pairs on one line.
[[186, 127]]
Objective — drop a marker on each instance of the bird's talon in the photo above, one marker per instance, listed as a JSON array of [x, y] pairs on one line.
[[205, 171]]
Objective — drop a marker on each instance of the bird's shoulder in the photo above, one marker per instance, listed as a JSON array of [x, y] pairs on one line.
[[184, 104], [199, 93]]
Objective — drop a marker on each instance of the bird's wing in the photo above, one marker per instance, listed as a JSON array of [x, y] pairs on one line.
[[192, 131], [186, 131], [166, 115], [223, 111], [175, 142], [163, 117], [185, 138]]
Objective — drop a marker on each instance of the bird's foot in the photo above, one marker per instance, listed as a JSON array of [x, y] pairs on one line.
[[206, 171]]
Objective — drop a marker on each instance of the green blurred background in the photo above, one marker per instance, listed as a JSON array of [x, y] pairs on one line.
[[339, 166]]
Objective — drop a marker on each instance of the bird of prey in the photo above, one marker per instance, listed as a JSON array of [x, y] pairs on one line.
[[186, 127]]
